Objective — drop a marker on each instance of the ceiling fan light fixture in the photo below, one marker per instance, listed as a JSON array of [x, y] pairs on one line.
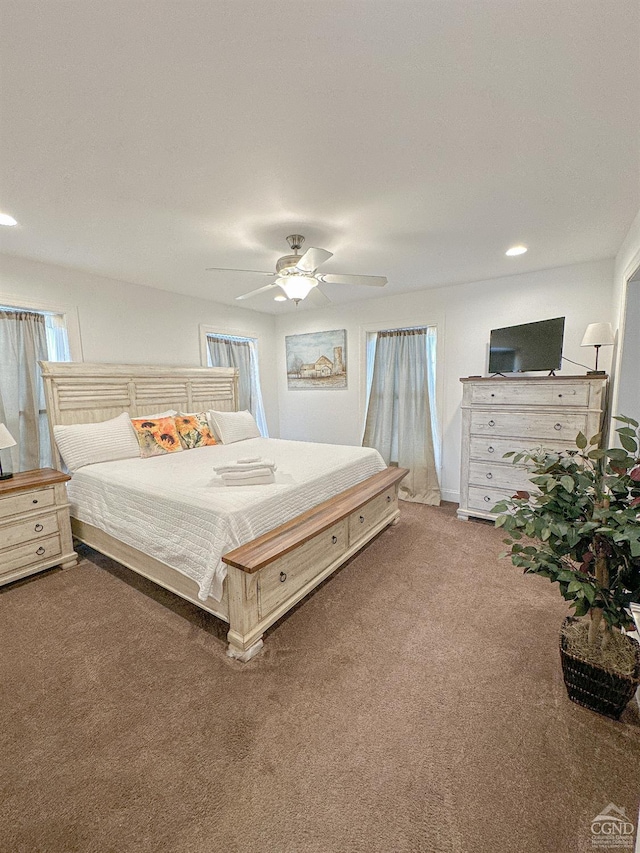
[[280, 298], [297, 287]]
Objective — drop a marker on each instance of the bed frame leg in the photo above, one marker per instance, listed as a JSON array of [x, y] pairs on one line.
[[245, 638], [236, 651]]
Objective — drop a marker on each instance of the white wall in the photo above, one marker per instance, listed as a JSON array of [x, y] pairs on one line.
[[465, 315], [122, 322]]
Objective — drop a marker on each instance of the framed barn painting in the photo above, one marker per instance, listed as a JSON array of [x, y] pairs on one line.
[[317, 360]]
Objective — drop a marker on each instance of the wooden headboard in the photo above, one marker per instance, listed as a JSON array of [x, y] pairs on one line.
[[80, 393]]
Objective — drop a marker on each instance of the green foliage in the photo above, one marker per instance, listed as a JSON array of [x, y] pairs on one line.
[[585, 508]]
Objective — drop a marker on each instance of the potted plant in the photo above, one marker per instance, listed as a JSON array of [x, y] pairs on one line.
[[581, 529]]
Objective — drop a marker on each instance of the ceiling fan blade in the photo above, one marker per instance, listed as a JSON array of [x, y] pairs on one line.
[[230, 269], [259, 290], [371, 280], [312, 258], [319, 296]]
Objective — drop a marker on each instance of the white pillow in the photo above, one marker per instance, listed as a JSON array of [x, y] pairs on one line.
[[230, 427], [106, 441]]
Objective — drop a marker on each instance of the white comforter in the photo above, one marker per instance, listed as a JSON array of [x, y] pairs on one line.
[[176, 509]]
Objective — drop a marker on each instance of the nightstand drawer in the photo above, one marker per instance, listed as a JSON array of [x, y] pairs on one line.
[[24, 531], [33, 552], [26, 502]]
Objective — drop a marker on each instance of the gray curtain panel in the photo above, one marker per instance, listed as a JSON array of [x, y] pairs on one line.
[[23, 342], [398, 422]]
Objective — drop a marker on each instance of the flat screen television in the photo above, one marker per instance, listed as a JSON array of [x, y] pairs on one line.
[[532, 346]]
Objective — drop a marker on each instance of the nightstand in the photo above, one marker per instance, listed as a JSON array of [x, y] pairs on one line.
[[35, 531]]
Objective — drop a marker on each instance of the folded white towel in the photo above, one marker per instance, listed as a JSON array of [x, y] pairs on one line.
[[245, 475], [250, 478], [246, 465]]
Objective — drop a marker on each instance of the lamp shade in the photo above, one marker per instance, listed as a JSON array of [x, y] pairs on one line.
[[297, 286], [6, 439], [598, 335]]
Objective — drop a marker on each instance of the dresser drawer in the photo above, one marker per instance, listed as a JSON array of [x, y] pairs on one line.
[[494, 475], [284, 577], [516, 393], [372, 513], [38, 551], [489, 449], [537, 426], [26, 502], [24, 531], [484, 499]]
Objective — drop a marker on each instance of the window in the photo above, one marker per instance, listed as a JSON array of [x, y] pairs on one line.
[[236, 351], [26, 337]]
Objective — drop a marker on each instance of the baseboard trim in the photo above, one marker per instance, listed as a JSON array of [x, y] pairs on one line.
[[448, 495]]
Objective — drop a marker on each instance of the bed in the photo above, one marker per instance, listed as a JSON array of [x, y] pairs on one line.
[[246, 555]]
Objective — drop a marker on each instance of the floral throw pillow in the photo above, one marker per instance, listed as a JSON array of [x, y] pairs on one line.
[[156, 436], [194, 430]]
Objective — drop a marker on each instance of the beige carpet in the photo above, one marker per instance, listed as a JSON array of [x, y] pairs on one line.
[[414, 703]]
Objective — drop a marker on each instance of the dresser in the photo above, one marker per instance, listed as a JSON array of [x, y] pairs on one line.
[[519, 413], [35, 532]]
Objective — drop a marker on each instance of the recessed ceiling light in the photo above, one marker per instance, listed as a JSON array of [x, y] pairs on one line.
[[280, 298], [5, 219], [516, 250]]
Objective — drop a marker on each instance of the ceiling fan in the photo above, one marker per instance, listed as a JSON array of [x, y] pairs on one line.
[[298, 275]]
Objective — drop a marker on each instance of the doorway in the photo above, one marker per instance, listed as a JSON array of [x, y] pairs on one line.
[[628, 396]]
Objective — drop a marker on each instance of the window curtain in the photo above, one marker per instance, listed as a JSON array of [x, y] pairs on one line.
[[23, 342], [228, 351], [399, 421]]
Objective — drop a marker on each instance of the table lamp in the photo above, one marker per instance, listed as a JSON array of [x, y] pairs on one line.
[[6, 440], [598, 335]]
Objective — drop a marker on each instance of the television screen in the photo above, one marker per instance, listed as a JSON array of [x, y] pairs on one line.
[[532, 346]]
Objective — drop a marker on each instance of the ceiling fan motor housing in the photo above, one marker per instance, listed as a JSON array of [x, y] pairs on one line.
[[285, 264]]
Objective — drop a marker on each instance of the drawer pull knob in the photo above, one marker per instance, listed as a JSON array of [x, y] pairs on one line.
[[283, 577], [493, 395], [34, 501], [559, 395], [38, 528], [557, 426], [492, 423], [388, 499], [334, 539], [40, 551], [490, 449], [489, 475], [487, 498], [362, 519]]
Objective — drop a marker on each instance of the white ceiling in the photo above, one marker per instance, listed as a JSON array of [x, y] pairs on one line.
[[146, 140]]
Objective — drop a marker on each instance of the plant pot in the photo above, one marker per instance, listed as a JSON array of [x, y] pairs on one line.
[[601, 690]]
